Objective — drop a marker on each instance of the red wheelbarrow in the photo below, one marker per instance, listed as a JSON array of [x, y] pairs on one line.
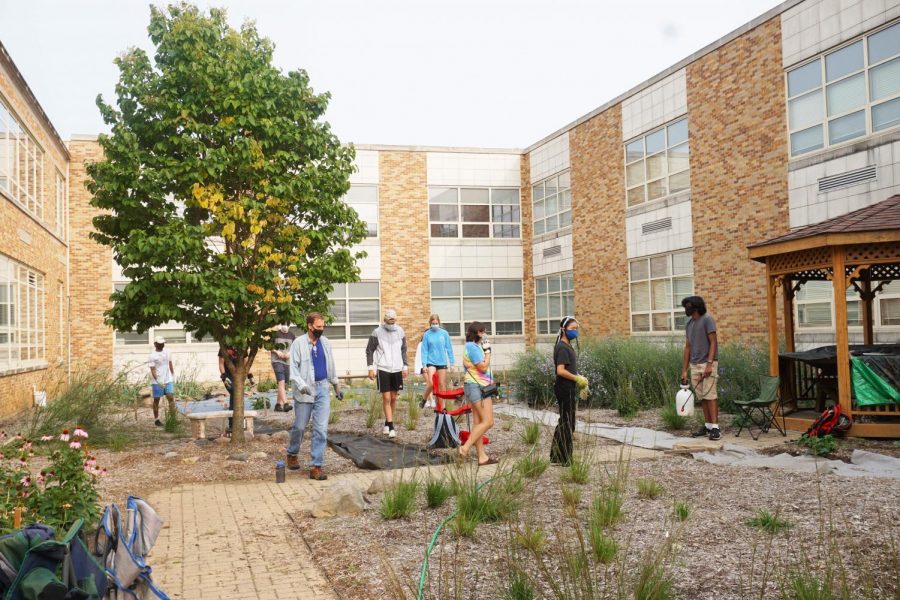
[[446, 432]]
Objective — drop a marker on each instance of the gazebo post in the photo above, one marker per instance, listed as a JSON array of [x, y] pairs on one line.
[[867, 315], [772, 307], [787, 290], [839, 286]]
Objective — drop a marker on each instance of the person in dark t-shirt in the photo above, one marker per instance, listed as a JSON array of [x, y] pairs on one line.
[[566, 389], [701, 363]]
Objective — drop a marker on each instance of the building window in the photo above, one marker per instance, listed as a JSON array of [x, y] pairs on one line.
[[474, 212], [552, 203], [814, 301], [658, 164], [846, 94], [21, 164], [554, 299], [61, 205], [364, 200], [657, 286], [496, 303], [21, 316], [355, 311], [888, 305]]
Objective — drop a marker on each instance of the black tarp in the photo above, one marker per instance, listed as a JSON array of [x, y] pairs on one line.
[[368, 452], [883, 359]]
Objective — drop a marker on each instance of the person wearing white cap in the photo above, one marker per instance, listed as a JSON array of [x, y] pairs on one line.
[[386, 354], [162, 377]]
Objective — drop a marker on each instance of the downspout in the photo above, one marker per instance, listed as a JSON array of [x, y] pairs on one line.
[[68, 279]]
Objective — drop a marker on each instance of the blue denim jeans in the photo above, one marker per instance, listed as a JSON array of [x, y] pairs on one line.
[[318, 410]]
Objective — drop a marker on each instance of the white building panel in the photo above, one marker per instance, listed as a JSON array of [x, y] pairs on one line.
[[555, 261], [660, 103], [474, 169], [482, 260], [550, 158], [659, 240], [367, 165]]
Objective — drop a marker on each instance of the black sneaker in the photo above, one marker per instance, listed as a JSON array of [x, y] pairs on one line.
[[279, 408], [702, 432], [158, 423], [288, 407], [715, 434]]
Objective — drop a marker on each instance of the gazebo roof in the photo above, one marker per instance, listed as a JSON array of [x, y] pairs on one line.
[[875, 223]]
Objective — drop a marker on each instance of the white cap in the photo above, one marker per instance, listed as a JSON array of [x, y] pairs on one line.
[[390, 314], [159, 340]]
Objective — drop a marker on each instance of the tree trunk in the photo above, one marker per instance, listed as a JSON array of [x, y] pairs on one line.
[[239, 376]]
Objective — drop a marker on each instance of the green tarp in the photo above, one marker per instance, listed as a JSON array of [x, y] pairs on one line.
[[871, 389]]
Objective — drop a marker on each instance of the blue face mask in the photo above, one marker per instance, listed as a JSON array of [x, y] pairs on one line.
[[435, 327], [571, 333]]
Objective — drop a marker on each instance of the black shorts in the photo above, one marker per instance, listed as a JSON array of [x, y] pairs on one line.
[[282, 371], [390, 382], [438, 367]]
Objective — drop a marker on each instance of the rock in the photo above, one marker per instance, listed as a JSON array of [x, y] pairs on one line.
[[202, 442], [263, 437], [340, 499], [239, 456], [171, 455], [190, 460], [381, 483], [258, 455], [281, 435], [223, 440], [700, 445]]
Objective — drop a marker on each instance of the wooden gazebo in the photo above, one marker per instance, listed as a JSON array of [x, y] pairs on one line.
[[859, 250]]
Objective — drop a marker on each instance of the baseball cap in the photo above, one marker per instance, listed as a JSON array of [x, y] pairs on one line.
[[159, 340], [390, 314]]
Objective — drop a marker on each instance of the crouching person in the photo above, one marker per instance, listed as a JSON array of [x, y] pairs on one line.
[[312, 371]]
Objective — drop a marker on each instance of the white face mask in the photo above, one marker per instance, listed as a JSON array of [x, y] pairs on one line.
[[390, 326], [283, 329]]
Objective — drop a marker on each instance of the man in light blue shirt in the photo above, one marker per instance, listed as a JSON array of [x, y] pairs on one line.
[[312, 372]]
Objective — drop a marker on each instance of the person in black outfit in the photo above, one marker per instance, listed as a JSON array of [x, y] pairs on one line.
[[566, 390]]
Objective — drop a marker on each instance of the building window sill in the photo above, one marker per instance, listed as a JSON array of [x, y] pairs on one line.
[[27, 369]]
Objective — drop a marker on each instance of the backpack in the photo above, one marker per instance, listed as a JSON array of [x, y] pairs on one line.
[[831, 422]]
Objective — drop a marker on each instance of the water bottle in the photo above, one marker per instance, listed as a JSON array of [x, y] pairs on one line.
[[279, 471]]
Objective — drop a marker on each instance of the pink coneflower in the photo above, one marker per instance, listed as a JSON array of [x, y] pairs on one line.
[[26, 446], [40, 479], [23, 462], [46, 438], [75, 445], [79, 432], [64, 436], [25, 481], [2, 435], [91, 461]]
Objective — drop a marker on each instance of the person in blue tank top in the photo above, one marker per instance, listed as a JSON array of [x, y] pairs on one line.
[[437, 355]]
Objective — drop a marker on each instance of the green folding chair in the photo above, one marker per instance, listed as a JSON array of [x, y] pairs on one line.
[[759, 412]]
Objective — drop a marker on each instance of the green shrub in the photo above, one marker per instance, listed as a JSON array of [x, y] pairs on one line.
[[627, 403], [412, 413], [578, 471], [768, 522], [671, 419], [532, 465], [373, 409], [682, 510], [532, 433], [603, 546], [260, 403], [266, 385], [653, 582], [491, 503], [532, 539], [571, 497], [172, 424], [606, 509], [399, 500], [818, 446], [519, 587], [464, 525], [649, 488], [809, 586], [436, 492]]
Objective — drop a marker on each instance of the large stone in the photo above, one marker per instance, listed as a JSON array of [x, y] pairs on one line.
[[700, 445], [239, 456], [281, 435], [381, 483], [258, 456], [171, 455], [190, 460], [223, 440], [341, 498]]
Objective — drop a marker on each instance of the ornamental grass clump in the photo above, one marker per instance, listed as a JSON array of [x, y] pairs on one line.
[[64, 491], [400, 500]]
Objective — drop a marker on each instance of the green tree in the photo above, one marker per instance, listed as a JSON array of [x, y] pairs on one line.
[[221, 188]]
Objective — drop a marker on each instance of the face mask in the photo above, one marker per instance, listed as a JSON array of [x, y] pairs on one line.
[[317, 333], [571, 333], [390, 326], [435, 327], [283, 329], [689, 311]]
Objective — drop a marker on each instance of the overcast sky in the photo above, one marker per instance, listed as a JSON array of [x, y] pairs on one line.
[[487, 73]]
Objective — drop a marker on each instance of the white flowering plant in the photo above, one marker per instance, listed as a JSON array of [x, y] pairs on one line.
[[59, 493]]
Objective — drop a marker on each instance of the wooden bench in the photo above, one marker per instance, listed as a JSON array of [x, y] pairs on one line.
[[198, 421]]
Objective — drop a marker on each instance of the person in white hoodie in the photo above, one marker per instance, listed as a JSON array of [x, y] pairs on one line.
[[386, 355]]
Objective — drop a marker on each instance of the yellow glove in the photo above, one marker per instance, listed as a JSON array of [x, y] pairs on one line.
[[584, 393], [581, 382]]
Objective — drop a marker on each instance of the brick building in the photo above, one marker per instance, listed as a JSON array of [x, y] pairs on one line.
[[791, 119]]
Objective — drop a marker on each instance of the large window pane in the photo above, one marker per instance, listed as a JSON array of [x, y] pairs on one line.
[[640, 270], [362, 193], [634, 174], [444, 231], [507, 231], [360, 332], [640, 322], [477, 309], [679, 157], [662, 321], [886, 115], [884, 80], [507, 287], [884, 44], [507, 309], [338, 311], [364, 310], [678, 132], [640, 296], [656, 189], [550, 188], [447, 308], [805, 110], [659, 266], [846, 94], [504, 196], [890, 311], [363, 289], [442, 195], [505, 213], [679, 181], [847, 128], [445, 288], [443, 212], [636, 195], [474, 196], [805, 78], [661, 294], [476, 213], [814, 314], [844, 61], [656, 166], [509, 328], [476, 231], [565, 180], [477, 288], [634, 151], [806, 140]]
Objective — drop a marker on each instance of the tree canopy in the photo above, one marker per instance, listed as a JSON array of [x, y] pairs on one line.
[[221, 186]]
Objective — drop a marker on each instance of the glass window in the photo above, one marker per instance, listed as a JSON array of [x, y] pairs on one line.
[[355, 306], [658, 164], [21, 164], [474, 212], [657, 286], [22, 337], [364, 200], [554, 210], [554, 299], [461, 302], [858, 99]]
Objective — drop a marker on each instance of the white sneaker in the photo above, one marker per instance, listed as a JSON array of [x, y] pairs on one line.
[[430, 404], [386, 430], [392, 433]]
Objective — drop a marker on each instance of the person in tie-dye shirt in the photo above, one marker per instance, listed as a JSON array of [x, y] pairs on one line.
[[477, 362]]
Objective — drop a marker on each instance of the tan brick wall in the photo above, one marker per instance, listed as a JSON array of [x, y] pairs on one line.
[[598, 224], [528, 255], [91, 268], [736, 111], [403, 226], [32, 241]]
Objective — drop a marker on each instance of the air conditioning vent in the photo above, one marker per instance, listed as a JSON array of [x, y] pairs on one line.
[[833, 182], [552, 251], [656, 226]]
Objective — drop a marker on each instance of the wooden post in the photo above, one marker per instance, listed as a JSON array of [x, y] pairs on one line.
[[773, 322], [17, 518], [787, 291], [867, 298], [839, 286]]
